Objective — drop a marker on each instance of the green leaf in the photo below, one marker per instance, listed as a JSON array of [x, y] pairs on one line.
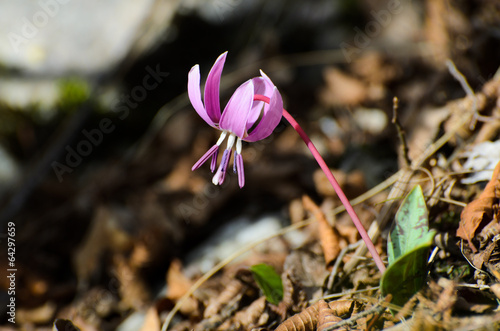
[[269, 282], [407, 248], [411, 225]]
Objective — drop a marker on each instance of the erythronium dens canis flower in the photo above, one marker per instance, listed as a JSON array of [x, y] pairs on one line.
[[243, 118], [252, 113]]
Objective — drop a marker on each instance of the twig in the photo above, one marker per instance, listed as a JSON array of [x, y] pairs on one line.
[[336, 266], [466, 87], [338, 295], [350, 321], [401, 134]]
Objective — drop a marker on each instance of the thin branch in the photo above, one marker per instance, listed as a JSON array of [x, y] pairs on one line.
[[401, 133]]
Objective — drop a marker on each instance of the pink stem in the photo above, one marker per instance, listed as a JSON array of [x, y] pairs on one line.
[[335, 184]]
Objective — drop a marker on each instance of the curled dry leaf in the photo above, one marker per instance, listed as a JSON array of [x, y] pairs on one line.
[[233, 288], [294, 297], [303, 321], [216, 321], [326, 316], [329, 236], [342, 307], [480, 212], [307, 320], [253, 316]]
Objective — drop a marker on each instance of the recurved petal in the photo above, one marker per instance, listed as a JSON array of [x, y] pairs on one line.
[[235, 115], [270, 119], [263, 86], [195, 95], [212, 86]]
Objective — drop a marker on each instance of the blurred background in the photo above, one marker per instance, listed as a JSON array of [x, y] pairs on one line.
[[97, 135]]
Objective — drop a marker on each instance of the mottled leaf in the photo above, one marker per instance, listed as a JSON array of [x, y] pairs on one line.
[[269, 282], [408, 248], [411, 225]]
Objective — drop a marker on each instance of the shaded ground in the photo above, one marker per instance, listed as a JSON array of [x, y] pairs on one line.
[[114, 243]]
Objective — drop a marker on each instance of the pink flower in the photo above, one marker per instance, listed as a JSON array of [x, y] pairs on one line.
[[243, 117]]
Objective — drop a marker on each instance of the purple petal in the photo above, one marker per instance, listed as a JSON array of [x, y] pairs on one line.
[[212, 151], [241, 171], [263, 86], [270, 119], [195, 95], [235, 115], [212, 86]]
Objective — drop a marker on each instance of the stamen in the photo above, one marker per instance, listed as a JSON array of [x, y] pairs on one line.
[[238, 145], [238, 152], [221, 172], [230, 141], [222, 137], [213, 164], [212, 151], [238, 160]]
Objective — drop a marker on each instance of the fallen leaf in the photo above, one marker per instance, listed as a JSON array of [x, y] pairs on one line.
[[178, 283], [326, 316], [328, 235], [307, 320], [253, 315], [151, 321], [479, 212], [342, 89]]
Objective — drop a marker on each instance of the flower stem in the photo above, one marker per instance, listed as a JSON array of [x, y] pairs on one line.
[[335, 184]]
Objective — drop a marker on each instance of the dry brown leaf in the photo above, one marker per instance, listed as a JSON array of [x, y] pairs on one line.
[[328, 236], [303, 321], [342, 307], [151, 321], [178, 283], [482, 257], [446, 300], [479, 212], [294, 296], [252, 316], [342, 89], [296, 211], [217, 321], [374, 68], [307, 320], [134, 292], [326, 317], [495, 289], [233, 288]]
